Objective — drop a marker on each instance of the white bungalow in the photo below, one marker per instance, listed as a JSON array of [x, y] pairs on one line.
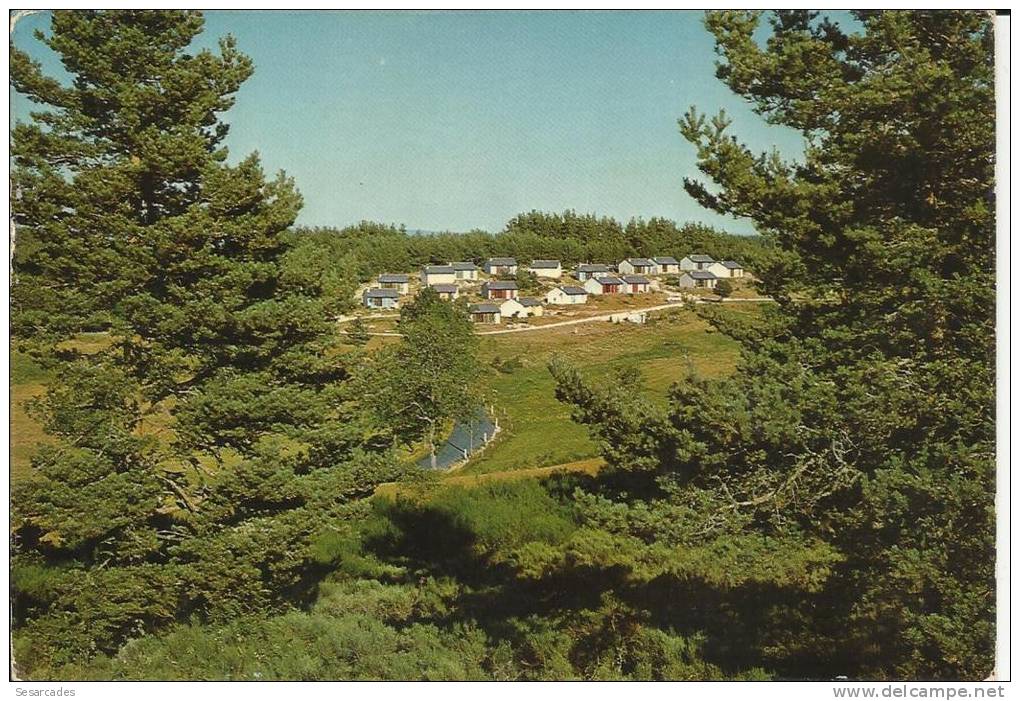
[[566, 294], [546, 268], [499, 289], [697, 278], [667, 265], [636, 284], [398, 282], [446, 291], [520, 308], [500, 266], [728, 268], [532, 306], [464, 270], [485, 314], [637, 266], [377, 298], [606, 285], [438, 274], [586, 271], [696, 261]]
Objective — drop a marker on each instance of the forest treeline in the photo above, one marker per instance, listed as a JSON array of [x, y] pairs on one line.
[[203, 507], [368, 248]]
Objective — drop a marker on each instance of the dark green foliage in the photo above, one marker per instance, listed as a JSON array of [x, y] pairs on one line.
[[201, 444], [429, 377], [367, 249], [724, 288], [862, 414]]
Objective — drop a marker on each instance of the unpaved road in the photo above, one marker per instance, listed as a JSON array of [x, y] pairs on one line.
[[589, 319]]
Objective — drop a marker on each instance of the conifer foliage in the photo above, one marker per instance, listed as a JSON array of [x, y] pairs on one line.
[[183, 480], [862, 414]]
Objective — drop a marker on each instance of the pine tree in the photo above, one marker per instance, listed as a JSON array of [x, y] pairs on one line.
[[199, 450], [863, 411]]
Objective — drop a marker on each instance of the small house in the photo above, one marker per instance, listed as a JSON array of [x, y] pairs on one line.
[[500, 266], [586, 271], [499, 289], [465, 270], [446, 291], [567, 294], [636, 284], [637, 266], [485, 314], [607, 285], [546, 268], [729, 268], [398, 282], [438, 275], [532, 306], [667, 265], [697, 278], [380, 298], [520, 308], [512, 308], [696, 261]]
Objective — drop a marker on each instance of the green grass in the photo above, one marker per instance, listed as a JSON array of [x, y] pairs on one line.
[[538, 430]]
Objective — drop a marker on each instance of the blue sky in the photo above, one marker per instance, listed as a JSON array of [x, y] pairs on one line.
[[459, 120]]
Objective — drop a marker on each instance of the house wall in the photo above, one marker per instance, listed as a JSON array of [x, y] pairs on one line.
[[438, 278], [557, 296], [512, 307], [551, 273], [466, 274], [401, 287], [380, 303], [592, 286], [501, 269], [669, 269]]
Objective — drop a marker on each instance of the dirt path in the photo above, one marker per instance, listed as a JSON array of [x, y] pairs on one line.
[[600, 317]]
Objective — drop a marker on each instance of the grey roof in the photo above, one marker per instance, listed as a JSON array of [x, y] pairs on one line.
[[485, 309], [444, 287], [464, 265], [701, 274], [592, 268], [701, 258], [529, 302], [573, 290], [636, 280], [500, 285], [609, 280], [438, 269], [544, 264], [666, 260], [501, 261], [731, 264], [392, 277], [378, 293], [642, 261]]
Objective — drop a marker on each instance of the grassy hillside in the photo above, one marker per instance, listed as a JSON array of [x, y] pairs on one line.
[[537, 429]]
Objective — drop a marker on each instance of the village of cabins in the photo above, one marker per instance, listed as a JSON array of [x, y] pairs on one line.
[[500, 294]]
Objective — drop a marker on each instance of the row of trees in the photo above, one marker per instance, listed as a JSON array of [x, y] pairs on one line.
[[367, 249]]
